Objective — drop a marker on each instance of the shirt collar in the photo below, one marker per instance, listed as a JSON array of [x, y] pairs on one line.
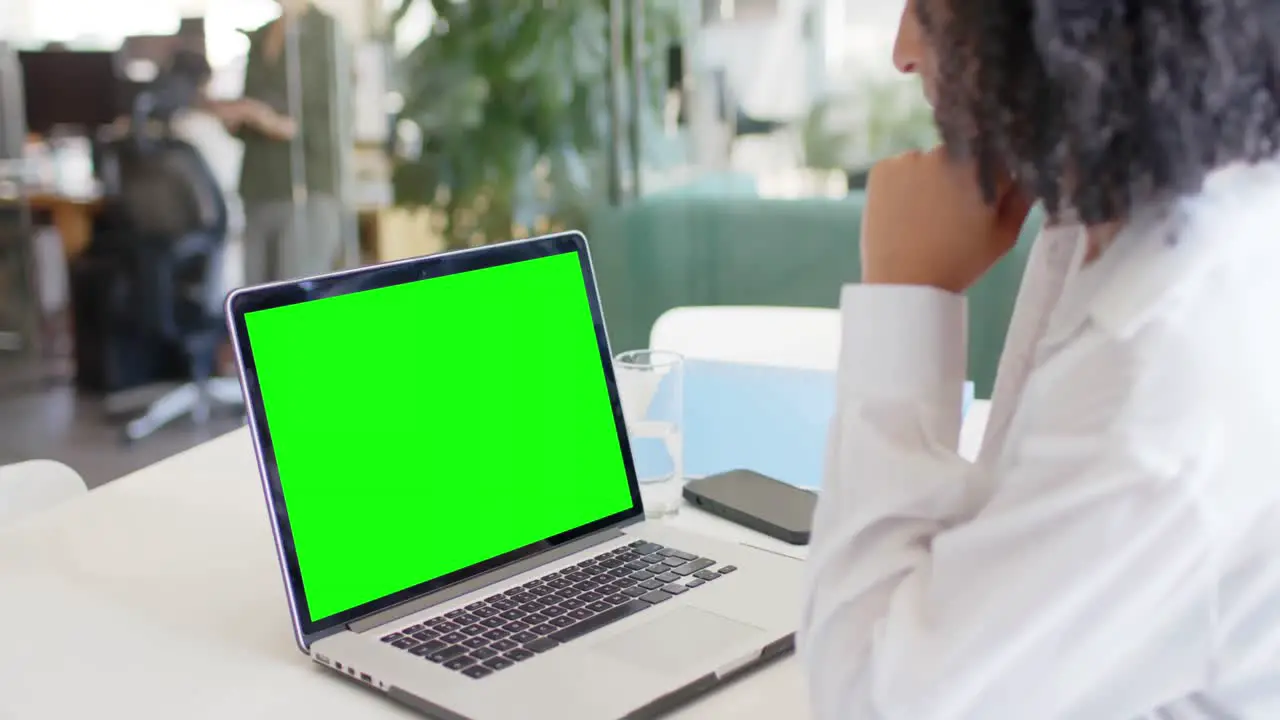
[[1166, 249]]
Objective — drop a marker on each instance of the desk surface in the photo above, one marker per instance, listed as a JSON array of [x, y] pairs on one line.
[[158, 596]]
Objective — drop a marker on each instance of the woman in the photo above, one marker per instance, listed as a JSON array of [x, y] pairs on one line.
[[1113, 553]]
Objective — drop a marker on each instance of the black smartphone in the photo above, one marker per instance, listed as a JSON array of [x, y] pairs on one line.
[[758, 502]]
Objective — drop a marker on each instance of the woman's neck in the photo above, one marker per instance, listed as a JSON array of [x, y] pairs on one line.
[[1100, 237]]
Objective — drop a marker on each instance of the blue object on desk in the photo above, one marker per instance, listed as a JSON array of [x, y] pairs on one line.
[[773, 420]]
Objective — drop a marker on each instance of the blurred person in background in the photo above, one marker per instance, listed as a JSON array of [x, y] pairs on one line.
[[292, 234], [1112, 553]]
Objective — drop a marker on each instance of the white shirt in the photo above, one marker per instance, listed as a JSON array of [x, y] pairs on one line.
[[1115, 552]]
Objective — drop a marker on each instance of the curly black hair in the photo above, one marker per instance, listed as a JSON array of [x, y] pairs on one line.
[[1100, 106]]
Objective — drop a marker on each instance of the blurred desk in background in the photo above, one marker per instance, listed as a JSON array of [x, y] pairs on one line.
[[73, 217]]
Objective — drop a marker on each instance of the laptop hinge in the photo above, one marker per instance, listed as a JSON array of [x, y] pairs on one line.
[[444, 595]]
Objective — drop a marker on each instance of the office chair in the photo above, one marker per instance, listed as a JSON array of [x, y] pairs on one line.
[[165, 225]]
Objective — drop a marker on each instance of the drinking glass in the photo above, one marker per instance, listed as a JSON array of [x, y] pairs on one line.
[[651, 384]]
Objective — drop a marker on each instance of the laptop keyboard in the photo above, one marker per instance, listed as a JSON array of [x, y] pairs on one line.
[[510, 627]]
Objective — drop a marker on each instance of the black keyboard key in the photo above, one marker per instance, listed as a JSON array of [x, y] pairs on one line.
[[695, 583], [634, 592], [611, 563], [673, 562], [541, 591], [459, 663], [636, 544], [656, 569], [625, 582], [690, 568], [404, 643], [485, 612], [707, 575], [475, 606], [534, 607], [584, 587], [641, 575], [678, 554], [453, 638], [655, 597], [675, 589], [476, 672], [476, 642], [560, 583], [533, 584], [453, 614], [503, 604], [596, 570], [391, 638], [568, 592], [496, 634], [484, 653], [426, 635], [646, 548], [652, 584], [598, 606], [525, 637], [590, 597], [412, 629], [655, 558], [727, 569], [535, 619], [554, 611], [636, 565], [514, 614], [504, 645], [587, 563], [668, 577], [513, 591], [473, 630], [498, 663], [446, 654], [429, 647], [619, 572], [435, 622], [493, 622], [525, 597], [516, 626], [572, 604], [608, 617], [562, 621], [576, 576], [519, 655], [493, 598], [466, 619], [541, 645], [616, 599], [446, 627], [543, 629], [580, 614]]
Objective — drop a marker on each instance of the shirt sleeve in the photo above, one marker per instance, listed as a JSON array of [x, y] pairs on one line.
[[1056, 597]]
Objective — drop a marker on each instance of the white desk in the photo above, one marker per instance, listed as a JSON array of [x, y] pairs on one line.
[[158, 597]]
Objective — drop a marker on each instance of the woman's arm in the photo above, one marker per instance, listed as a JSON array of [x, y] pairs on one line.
[[1058, 597]]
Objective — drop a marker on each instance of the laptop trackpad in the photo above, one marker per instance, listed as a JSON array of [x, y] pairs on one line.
[[682, 639]]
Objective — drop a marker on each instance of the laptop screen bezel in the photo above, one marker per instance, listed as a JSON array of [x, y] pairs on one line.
[[243, 302]]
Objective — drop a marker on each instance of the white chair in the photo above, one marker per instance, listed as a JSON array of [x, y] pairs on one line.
[[29, 487], [792, 337]]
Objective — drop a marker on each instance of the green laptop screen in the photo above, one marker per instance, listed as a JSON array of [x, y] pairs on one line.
[[423, 428]]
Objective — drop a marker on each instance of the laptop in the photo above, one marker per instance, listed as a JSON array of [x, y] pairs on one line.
[[454, 502]]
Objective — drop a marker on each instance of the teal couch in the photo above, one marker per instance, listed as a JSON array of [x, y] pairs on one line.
[[661, 253]]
